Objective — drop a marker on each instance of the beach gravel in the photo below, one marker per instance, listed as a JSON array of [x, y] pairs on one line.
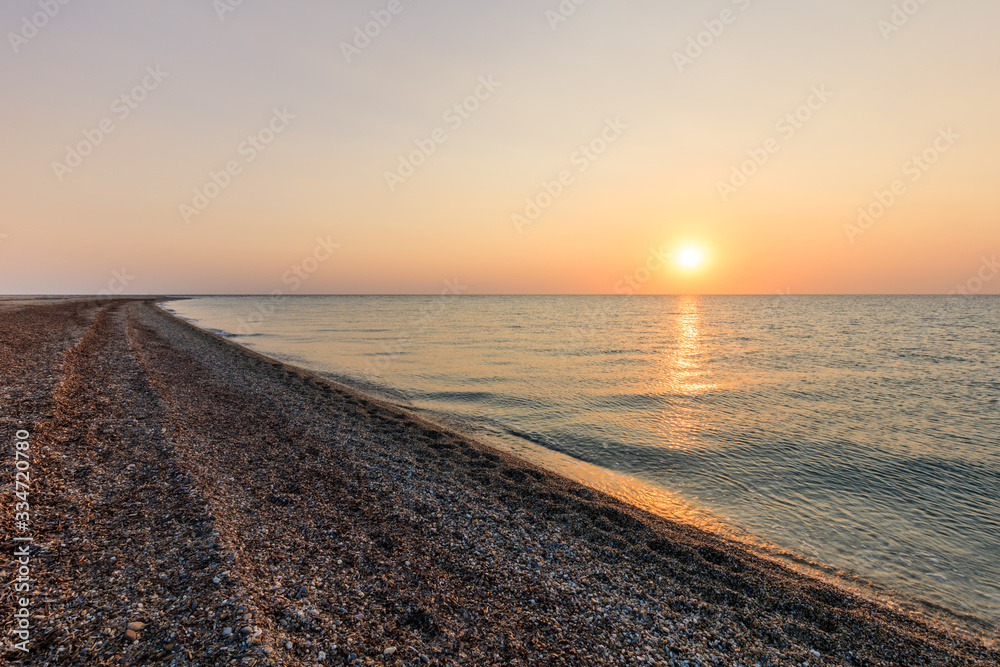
[[195, 503]]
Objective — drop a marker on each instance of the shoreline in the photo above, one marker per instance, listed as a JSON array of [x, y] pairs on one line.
[[648, 497], [264, 497]]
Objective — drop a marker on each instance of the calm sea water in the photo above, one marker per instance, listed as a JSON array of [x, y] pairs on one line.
[[862, 433]]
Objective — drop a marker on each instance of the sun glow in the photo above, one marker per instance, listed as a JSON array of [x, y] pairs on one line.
[[690, 257]]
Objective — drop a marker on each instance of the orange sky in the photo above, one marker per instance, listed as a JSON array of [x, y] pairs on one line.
[[186, 147]]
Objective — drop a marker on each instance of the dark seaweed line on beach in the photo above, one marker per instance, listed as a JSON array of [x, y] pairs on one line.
[[242, 511]]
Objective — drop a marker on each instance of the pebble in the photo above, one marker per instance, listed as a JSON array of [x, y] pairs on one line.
[[136, 626]]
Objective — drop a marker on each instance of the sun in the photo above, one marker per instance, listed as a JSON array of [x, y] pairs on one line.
[[690, 257]]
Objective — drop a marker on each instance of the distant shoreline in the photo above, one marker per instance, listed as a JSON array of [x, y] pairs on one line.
[[236, 492]]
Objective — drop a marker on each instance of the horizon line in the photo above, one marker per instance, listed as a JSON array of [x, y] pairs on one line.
[[492, 294]]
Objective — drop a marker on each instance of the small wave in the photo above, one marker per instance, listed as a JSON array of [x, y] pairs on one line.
[[530, 437]]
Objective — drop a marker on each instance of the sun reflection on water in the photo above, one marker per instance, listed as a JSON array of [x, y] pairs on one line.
[[682, 377], [684, 372]]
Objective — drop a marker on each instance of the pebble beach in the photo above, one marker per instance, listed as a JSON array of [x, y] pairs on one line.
[[196, 503]]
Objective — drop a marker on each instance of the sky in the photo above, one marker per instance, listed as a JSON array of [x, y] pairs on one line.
[[545, 147]]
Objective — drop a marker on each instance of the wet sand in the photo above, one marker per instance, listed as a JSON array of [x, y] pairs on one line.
[[242, 511]]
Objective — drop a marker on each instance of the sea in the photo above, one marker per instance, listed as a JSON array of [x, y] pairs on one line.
[[857, 437]]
